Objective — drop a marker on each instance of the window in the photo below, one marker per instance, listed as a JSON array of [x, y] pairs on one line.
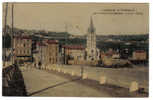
[[50, 59]]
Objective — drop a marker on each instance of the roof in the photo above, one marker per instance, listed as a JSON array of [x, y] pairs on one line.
[[52, 41], [91, 28], [22, 37], [78, 47], [40, 44], [139, 51]]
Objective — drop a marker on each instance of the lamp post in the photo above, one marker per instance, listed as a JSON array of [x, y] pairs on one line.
[[4, 33], [12, 34], [65, 37]]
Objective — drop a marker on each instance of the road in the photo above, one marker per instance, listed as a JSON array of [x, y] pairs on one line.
[[42, 83], [57, 84], [117, 76]]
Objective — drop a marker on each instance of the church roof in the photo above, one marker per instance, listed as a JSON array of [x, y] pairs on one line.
[[91, 28]]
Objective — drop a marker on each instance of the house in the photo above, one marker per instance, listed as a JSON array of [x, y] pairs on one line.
[[22, 46], [116, 56], [40, 55], [74, 53], [139, 55], [52, 51], [46, 53]]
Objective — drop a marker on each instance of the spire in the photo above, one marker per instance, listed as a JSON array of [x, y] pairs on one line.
[[91, 28]]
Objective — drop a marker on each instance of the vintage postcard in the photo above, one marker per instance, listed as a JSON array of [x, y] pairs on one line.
[[75, 49]]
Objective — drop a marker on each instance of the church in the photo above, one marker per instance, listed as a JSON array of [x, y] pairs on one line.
[[92, 52]]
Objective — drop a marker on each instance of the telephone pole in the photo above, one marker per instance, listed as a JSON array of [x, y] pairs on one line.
[[4, 32], [65, 56], [12, 34]]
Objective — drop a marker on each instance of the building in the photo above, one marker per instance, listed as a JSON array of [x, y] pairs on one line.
[[46, 53], [112, 59], [116, 56], [22, 46], [40, 55], [92, 53], [52, 51], [74, 54], [139, 55], [112, 53]]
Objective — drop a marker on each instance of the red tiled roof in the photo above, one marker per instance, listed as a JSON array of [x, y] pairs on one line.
[[52, 42], [139, 51], [73, 47]]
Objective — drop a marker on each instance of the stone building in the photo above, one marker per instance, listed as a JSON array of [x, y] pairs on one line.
[[74, 54], [40, 55], [139, 55], [22, 46], [46, 53], [92, 52], [52, 51]]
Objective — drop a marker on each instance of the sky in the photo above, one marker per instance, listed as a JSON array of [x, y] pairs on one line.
[[75, 17]]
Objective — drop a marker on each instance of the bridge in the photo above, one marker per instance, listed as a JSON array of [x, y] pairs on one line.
[[58, 82]]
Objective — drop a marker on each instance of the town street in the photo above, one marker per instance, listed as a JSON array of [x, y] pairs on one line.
[[51, 83], [42, 83], [117, 76]]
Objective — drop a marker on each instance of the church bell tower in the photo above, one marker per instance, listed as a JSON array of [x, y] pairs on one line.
[[91, 50]]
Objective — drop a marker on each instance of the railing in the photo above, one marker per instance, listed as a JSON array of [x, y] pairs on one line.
[[8, 74], [13, 82]]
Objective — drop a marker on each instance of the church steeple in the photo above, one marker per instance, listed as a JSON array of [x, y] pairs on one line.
[[91, 48], [91, 28]]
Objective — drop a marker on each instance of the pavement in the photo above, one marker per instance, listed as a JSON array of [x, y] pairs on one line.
[[117, 76], [57, 84], [41, 83]]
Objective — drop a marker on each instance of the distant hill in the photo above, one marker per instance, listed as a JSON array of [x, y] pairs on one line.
[[139, 37], [103, 41]]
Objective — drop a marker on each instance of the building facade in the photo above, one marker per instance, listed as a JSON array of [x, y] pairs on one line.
[[74, 54], [22, 46], [139, 55], [52, 51], [46, 53], [40, 55]]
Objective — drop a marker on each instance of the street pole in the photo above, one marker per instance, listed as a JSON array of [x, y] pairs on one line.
[[40, 63], [12, 35], [65, 44], [4, 32], [41, 56], [82, 70]]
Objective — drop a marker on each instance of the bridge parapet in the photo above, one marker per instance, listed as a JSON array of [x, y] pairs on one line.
[[12, 81]]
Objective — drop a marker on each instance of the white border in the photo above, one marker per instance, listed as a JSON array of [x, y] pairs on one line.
[[74, 98], [125, 1]]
